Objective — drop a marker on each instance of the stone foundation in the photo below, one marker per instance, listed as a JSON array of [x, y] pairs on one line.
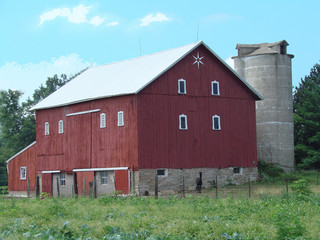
[[22, 194], [173, 181]]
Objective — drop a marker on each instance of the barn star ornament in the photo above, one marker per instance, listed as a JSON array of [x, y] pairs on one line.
[[198, 60]]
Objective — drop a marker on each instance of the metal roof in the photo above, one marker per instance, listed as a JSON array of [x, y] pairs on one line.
[[121, 78]]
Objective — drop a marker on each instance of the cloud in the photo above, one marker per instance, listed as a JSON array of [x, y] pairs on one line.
[[113, 23], [230, 62], [28, 77], [159, 17], [76, 15]]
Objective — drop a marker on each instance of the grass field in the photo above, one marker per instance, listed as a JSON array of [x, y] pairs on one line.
[[267, 215]]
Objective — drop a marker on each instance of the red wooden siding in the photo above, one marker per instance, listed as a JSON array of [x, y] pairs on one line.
[[122, 181], [47, 183], [88, 176], [163, 145], [84, 144], [25, 159]]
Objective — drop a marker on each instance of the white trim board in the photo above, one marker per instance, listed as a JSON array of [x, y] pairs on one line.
[[84, 112], [99, 169]]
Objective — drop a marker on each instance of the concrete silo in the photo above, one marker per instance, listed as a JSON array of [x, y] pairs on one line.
[[267, 68]]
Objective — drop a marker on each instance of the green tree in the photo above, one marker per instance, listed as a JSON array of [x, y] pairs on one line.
[[306, 110]]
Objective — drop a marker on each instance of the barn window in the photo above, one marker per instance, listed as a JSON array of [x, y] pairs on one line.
[[102, 120], [23, 173], [60, 126], [183, 125], [215, 88], [216, 122], [46, 128], [237, 170], [104, 177], [62, 179], [182, 86], [120, 119], [162, 172]]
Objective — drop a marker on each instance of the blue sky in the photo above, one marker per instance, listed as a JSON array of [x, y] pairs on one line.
[[41, 38]]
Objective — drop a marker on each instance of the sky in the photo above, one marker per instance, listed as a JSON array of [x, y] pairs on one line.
[[40, 38]]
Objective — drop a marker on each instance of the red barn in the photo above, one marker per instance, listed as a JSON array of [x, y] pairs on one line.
[[172, 114]]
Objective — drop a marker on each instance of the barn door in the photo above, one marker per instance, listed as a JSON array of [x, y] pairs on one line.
[[122, 181], [46, 180]]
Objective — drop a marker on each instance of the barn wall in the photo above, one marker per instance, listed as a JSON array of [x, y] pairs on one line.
[[163, 145], [83, 144], [24, 159]]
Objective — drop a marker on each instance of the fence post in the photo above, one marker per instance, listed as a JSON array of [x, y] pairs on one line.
[[94, 186], [37, 187], [156, 186], [84, 187], [183, 187], [249, 187], [287, 188], [318, 177], [28, 188], [217, 187], [58, 188]]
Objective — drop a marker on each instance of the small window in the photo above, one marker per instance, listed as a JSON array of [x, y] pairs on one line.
[[215, 88], [183, 125], [216, 122], [120, 119], [237, 170], [104, 177], [162, 172], [102, 120], [62, 179], [23, 173], [46, 128], [182, 86], [60, 126]]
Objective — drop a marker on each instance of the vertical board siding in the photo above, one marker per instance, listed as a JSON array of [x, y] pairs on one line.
[[46, 179], [89, 177], [163, 145], [83, 143], [25, 159], [122, 181]]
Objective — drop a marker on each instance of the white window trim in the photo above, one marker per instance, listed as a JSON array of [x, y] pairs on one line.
[[186, 120], [105, 177], [120, 119], [62, 179], [184, 84], [213, 117], [165, 172], [240, 170], [103, 121], [46, 128], [60, 126], [25, 173], [218, 88]]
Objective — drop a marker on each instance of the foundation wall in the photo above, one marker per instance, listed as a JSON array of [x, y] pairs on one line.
[[172, 183]]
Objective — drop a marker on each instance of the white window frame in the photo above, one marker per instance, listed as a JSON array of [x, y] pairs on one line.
[[184, 86], [104, 179], [23, 173], [165, 172], [219, 122], [236, 169], [120, 119], [103, 121], [60, 126], [180, 121], [62, 179], [218, 88], [46, 128]]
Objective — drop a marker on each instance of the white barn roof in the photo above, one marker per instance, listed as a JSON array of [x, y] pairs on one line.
[[120, 78]]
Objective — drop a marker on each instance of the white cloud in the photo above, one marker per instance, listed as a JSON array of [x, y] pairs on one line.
[[76, 15], [230, 62], [28, 77], [113, 23], [159, 17]]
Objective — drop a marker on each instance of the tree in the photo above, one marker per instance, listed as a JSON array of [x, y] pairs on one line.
[[306, 113]]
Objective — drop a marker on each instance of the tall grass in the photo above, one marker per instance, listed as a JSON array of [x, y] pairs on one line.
[[282, 217]]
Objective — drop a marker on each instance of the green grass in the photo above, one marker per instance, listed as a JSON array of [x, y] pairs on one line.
[[282, 217]]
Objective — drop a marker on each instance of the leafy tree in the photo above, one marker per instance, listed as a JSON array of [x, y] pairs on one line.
[[306, 109]]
